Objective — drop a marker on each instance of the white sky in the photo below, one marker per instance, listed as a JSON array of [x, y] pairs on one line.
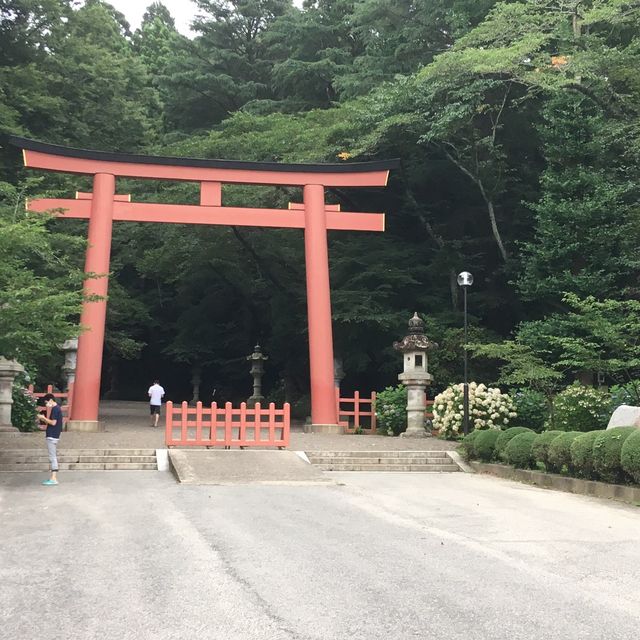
[[183, 11]]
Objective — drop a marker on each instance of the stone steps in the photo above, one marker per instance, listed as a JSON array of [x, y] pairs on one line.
[[33, 460], [422, 468], [398, 461]]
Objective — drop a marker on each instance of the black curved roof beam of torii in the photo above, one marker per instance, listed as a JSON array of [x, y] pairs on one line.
[[210, 173], [41, 155]]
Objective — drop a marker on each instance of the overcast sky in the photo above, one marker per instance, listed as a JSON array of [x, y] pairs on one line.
[[183, 11]]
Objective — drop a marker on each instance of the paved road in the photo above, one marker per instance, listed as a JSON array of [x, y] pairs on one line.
[[127, 555]]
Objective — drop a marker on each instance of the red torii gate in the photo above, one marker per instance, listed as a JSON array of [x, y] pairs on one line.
[[103, 206]]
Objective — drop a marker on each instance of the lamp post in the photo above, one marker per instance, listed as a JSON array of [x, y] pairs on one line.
[[465, 280]]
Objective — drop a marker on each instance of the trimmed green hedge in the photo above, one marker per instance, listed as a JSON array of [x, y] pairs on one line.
[[630, 456], [607, 450], [485, 443], [540, 446], [582, 454], [467, 448], [518, 450], [559, 452], [505, 437]]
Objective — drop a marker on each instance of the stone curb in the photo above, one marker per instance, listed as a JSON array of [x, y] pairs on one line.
[[457, 458], [592, 488]]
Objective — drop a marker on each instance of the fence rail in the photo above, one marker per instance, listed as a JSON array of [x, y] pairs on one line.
[[64, 399], [226, 426], [357, 414]]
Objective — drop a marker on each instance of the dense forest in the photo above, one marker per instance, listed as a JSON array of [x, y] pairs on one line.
[[518, 128]]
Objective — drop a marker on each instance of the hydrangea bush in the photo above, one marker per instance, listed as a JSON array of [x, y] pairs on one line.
[[23, 410], [391, 410], [489, 408], [580, 408]]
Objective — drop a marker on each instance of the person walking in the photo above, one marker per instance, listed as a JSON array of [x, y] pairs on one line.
[[53, 425], [156, 392]]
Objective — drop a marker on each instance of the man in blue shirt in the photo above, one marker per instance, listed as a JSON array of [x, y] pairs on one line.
[[54, 429]]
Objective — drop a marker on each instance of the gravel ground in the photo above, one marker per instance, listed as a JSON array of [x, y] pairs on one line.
[[127, 427]]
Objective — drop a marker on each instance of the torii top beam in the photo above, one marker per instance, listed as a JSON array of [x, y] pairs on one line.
[[51, 157]]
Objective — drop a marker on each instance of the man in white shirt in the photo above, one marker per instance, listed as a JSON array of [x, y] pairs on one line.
[[155, 401]]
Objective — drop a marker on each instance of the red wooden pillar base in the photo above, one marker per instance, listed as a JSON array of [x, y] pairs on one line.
[[86, 395]]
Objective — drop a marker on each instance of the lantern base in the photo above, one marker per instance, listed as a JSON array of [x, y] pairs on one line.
[[85, 425], [7, 429], [415, 433], [323, 428]]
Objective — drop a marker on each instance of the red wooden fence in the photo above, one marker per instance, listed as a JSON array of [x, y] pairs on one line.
[[64, 399], [357, 414], [216, 426]]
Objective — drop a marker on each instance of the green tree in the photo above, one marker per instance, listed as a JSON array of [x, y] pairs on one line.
[[40, 287], [226, 66]]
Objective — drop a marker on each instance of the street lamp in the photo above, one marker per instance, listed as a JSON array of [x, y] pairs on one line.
[[465, 280]]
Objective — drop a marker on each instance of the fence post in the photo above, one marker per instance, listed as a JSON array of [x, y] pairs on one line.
[[285, 426], [374, 420], [272, 423], [214, 422], [183, 422], [168, 435], [228, 436], [199, 421]]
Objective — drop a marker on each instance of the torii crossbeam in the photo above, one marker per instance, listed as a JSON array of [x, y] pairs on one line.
[[103, 206]]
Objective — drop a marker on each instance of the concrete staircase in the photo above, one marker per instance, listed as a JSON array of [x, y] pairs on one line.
[[420, 461], [80, 460]]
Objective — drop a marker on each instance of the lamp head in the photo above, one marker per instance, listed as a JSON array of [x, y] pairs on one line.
[[465, 279]]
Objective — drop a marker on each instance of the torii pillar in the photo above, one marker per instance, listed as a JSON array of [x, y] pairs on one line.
[[86, 396], [102, 207], [324, 417]]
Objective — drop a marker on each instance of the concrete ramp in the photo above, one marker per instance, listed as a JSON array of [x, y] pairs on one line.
[[243, 467]]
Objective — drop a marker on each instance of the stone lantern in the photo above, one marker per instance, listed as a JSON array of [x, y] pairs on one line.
[[70, 349], [338, 373], [257, 370], [9, 369], [415, 376]]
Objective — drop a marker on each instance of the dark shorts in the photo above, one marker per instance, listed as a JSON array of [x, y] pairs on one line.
[[154, 408]]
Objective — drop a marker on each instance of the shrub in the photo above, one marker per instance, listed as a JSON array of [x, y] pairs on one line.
[[607, 450], [582, 454], [630, 456], [518, 451], [391, 410], [580, 408], [23, 410], [540, 447], [628, 393], [489, 408], [504, 439], [532, 409], [467, 448], [485, 444], [559, 452]]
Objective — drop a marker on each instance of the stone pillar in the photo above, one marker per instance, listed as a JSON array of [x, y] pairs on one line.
[[415, 376], [196, 379], [70, 348], [338, 373], [9, 369], [257, 371]]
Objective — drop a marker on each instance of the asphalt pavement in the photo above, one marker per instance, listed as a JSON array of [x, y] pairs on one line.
[[124, 555]]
